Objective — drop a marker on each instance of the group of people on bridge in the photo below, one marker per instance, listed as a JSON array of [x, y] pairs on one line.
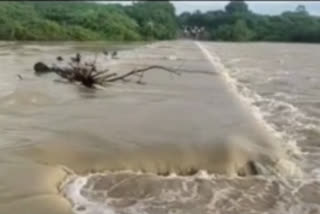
[[193, 32]]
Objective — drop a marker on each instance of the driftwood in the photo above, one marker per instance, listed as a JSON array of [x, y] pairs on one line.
[[88, 75]]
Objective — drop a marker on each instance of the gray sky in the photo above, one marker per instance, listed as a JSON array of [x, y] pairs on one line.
[[262, 7]]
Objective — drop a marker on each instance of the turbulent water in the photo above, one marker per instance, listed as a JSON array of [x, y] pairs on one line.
[[236, 132]]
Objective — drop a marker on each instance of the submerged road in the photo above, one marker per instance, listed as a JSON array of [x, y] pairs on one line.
[[180, 124]]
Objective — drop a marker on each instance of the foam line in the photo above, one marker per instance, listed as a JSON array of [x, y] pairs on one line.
[[219, 68], [287, 166]]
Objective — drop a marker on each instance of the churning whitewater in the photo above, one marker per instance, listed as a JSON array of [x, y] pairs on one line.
[[200, 191]]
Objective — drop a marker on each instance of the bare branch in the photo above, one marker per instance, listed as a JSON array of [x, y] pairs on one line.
[[142, 70], [98, 73], [103, 78]]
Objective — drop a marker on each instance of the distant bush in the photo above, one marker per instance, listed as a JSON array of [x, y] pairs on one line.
[[86, 21]]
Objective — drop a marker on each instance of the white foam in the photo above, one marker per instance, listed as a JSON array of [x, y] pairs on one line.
[[249, 98], [73, 188], [80, 204]]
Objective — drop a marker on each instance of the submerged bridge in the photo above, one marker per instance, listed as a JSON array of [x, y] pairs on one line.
[[196, 121]]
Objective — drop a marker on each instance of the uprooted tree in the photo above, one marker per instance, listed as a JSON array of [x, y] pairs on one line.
[[88, 75]]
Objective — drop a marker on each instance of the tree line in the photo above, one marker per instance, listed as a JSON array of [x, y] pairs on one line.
[[237, 23], [146, 20], [87, 21]]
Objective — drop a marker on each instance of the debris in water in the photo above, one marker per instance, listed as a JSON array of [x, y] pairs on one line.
[[114, 55], [105, 52], [20, 77], [87, 74], [41, 68], [76, 59], [59, 58]]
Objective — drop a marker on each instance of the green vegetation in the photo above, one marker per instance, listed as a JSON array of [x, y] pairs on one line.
[[238, 23], [86, 21], [147, 20]]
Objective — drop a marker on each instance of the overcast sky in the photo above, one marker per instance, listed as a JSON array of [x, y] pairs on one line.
[[262, 7]]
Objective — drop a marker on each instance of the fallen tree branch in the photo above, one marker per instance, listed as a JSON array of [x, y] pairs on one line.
[[88, 75]]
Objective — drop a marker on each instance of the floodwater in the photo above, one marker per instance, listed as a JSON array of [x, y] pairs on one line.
[[236, 132]]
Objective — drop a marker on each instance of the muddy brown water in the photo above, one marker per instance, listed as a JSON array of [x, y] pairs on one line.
[[178, 144]]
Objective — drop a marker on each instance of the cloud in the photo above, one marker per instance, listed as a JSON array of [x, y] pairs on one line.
[[265, 7]]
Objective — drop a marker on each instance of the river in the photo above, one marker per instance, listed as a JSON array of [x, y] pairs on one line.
[[236, 132]]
